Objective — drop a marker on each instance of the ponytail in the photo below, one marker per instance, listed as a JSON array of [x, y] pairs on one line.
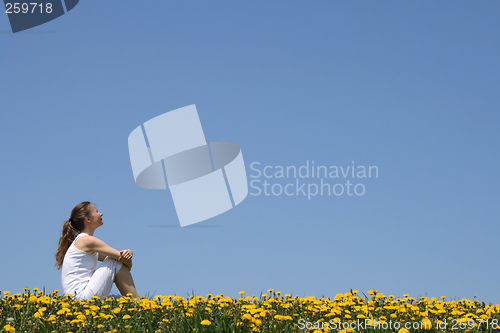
[[72, 229]]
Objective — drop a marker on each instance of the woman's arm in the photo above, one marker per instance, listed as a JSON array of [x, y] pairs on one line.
[[93, 244], [127, 262]]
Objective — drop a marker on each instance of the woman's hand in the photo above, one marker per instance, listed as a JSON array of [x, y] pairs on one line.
[[125, 255], [126, 258]]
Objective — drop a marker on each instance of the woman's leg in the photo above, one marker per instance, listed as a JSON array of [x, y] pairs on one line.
[[125, 283], [102, 280]]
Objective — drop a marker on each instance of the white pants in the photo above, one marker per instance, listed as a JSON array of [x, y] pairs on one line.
[[102, 280]]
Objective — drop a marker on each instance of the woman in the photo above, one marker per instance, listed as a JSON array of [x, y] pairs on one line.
[[79, 252]]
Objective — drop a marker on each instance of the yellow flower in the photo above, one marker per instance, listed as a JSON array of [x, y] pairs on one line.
[[62, 311], [247, 316], [426, 323], [205, 322], [9, 328], [403, 330], [126, 316], [241, 292]]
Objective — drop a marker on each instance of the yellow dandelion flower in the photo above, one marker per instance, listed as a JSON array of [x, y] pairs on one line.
[[126, 316], [426, 323], [9, 328], [205, 322]]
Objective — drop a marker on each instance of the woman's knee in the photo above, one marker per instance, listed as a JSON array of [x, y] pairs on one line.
[[113, 264], [109, 259]]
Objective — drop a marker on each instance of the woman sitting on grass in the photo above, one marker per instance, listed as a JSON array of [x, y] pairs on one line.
[[79, 252]]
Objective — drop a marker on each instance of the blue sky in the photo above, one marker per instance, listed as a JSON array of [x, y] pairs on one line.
[[408, 86]]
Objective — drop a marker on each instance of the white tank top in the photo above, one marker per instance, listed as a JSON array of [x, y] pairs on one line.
[[77, 268]]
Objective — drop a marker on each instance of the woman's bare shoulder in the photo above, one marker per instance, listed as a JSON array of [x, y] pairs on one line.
[[85, 243]]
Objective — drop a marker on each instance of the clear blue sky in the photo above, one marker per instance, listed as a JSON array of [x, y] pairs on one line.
[[411, 87]]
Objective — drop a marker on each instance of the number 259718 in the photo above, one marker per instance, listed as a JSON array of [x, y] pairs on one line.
[[24, 7]]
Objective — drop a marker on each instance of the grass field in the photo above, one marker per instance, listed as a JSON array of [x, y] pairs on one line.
[[35, 311]]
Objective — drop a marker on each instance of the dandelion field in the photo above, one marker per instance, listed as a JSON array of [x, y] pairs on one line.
[[35, 311]]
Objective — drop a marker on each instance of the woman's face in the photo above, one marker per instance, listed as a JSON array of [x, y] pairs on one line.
[[95, 217]]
